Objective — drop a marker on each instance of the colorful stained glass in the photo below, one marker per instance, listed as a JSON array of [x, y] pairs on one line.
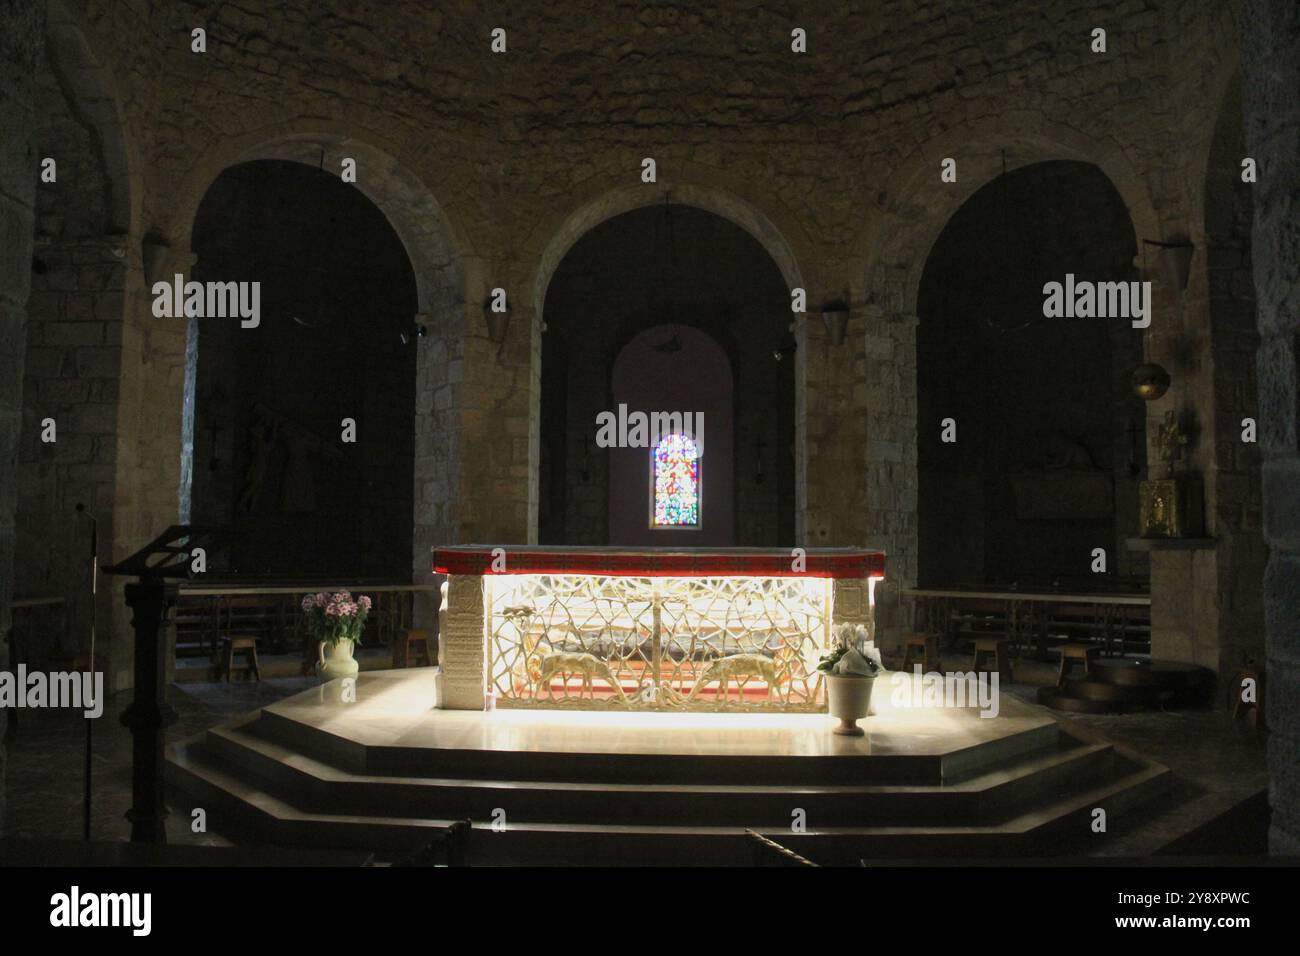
[[676, 483]]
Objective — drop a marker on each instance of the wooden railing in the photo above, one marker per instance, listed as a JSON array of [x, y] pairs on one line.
[[1035, 619], [206, 613]]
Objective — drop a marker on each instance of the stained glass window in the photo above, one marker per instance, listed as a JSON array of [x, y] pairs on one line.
[[676, 476]]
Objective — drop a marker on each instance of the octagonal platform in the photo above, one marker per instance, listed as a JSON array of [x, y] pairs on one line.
[[388, 771]]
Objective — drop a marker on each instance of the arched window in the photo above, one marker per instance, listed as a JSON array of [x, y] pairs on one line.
[[675, 479]]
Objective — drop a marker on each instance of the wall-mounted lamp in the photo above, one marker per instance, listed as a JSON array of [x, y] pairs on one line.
[[1150, 381], [153, 255], [835, 316], [1175, 261]]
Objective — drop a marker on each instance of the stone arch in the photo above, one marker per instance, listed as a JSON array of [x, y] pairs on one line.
[[437, 251], [914, 205], [779, 237], [1224, 220], [905, 220], [614, 202]]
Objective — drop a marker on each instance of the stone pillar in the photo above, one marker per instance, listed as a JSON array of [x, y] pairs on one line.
[[496, 490], [893, 480], [1270, 65], [20, 39]]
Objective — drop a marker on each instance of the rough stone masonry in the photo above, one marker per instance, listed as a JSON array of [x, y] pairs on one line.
[[19, 42]]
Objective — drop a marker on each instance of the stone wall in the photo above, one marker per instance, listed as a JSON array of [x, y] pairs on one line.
[[20, 42], [73, 354], [1270, 58]]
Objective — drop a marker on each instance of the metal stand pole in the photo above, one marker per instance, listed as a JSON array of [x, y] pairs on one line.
[[149, 713], [90, 724]]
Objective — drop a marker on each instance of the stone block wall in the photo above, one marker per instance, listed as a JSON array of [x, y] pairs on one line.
[[1270, 57], [20, 43]]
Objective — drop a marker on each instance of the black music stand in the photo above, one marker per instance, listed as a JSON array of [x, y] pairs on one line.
[[161, 561]]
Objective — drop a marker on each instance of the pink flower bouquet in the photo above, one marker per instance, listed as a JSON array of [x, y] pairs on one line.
[[336, 617]]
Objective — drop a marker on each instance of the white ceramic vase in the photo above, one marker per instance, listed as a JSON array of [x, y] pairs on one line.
[[335, 660], [848, 697]]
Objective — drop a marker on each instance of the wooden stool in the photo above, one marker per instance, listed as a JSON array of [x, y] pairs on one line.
[[925, 646], [416, 647], [1080, 653], [232, 645], [995, 647]]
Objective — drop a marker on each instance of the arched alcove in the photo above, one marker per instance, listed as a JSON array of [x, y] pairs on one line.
[[334, 344], [1040, 464], [685, 268], [435, 251], [1234, 334], [674, 369]]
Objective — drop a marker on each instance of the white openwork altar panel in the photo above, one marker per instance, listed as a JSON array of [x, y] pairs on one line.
[[656, 643]]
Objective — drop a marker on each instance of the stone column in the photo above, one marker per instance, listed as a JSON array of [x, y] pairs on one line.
[[893, 480], [1270, 65], [20, 38]]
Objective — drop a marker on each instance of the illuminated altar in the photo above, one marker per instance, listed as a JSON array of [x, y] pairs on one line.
[[647, 629]]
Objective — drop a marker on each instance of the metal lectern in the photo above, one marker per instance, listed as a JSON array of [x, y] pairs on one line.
[[157, 564]]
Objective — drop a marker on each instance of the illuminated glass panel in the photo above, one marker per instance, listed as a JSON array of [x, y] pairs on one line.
[[676, 476]]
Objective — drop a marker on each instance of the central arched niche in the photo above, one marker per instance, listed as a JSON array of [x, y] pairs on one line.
[[674, 369], [1049, 437], [337, 296], [691, 271]]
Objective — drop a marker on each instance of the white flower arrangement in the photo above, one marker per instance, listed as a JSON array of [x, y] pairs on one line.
[[854, 653]]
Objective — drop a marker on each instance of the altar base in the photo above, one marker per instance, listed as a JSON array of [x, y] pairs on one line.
[[385, 773]]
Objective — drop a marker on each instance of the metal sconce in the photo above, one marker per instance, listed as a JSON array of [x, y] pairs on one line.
[[1175, 261], [835, 316], [153, 254]]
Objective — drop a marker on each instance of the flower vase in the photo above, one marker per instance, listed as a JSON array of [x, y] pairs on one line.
[[335, 660], [848, 697]]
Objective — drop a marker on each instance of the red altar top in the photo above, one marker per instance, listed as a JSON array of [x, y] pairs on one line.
[[660, 562]]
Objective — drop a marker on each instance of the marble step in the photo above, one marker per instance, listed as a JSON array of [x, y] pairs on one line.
[[311, 784], [621, 767], [234, 805]]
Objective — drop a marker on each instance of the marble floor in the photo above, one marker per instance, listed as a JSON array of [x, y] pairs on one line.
[[392, 708]]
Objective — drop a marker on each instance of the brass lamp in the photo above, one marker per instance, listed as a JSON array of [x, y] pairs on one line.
[[1150, 381]]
